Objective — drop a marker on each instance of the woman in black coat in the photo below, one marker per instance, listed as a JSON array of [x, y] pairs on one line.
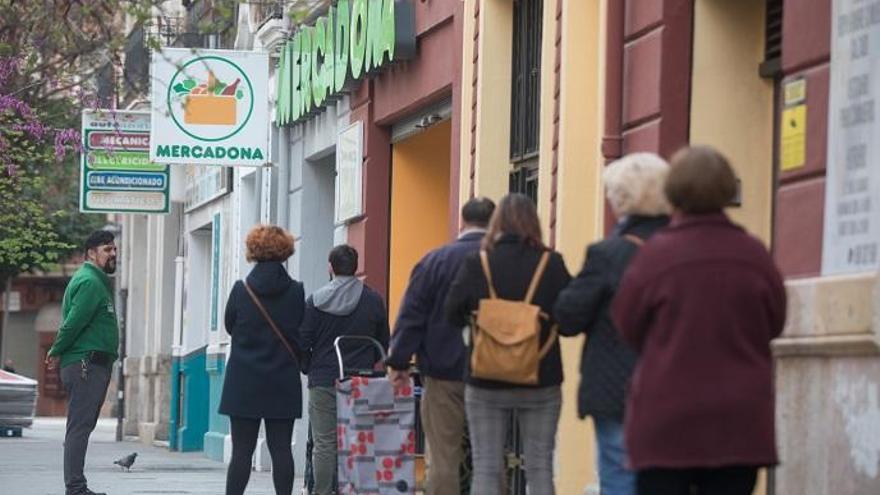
[[514, 247], [262, 376], [634, 187]]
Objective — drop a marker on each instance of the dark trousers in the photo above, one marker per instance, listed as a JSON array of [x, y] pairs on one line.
[[733, 480], [86, 386], [244, 440]]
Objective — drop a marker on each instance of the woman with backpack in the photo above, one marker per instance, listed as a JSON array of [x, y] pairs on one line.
[[509, 290], [634, 187], [262, 382]]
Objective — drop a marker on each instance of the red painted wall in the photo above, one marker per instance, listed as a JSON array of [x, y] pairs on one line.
[[800, 195], [402, 89], [656, 75]]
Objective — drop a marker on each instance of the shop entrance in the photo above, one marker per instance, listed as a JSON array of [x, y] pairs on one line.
[[316, 237], [419, 204]]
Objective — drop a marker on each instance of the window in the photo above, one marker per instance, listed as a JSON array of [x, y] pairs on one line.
[[525, 106], [524, 180], [771, 68]]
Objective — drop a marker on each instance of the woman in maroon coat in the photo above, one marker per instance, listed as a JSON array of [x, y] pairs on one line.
[[701, 303]]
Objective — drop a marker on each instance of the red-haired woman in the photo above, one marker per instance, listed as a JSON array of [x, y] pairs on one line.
[[262, 381]]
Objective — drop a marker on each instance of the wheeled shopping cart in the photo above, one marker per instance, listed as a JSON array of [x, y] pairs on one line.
[[375, 431]]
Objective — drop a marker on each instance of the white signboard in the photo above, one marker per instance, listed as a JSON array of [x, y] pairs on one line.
[[116, 174], [349, 170], [852, 197], [210, 107]]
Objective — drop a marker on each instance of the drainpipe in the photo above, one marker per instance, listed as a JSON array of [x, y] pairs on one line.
[[612, 141], [283, 167]]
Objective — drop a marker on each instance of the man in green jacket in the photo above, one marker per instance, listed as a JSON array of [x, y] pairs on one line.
[[86, 347]]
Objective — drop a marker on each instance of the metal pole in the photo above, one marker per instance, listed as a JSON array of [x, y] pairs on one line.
[[4, 326], [120, 378]]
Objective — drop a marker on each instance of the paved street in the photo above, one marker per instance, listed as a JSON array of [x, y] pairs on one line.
[[32, 466]]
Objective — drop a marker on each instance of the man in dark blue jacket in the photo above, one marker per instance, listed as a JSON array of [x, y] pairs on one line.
[[345, 306], [422, 329]]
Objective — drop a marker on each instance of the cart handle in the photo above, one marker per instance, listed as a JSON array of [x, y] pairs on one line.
[[371, 340]]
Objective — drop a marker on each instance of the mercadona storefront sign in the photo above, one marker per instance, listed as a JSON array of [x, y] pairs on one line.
[[116, 174], [356, 37], [210, 107]]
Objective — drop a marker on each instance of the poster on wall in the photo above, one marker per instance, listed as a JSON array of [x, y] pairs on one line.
[[349, 170], [210, 107], [116, 174], [852, 197]]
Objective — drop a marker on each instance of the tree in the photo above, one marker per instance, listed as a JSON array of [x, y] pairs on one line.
[[29, 150]]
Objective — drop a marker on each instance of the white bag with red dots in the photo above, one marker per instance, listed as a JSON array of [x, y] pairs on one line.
[[376, 437]]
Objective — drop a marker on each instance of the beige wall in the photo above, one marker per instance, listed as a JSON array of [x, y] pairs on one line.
[[580, 206], [493, 111], [579, 200], [731, 106]]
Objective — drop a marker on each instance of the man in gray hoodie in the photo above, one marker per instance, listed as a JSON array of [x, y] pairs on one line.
[[345, 306]]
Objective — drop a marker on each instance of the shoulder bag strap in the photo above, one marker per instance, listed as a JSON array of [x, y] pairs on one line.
[[536, 278], [638, 241], [293, 352], [484, 260]]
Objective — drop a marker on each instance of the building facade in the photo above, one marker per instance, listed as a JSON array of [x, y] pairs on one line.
[[482, 97]]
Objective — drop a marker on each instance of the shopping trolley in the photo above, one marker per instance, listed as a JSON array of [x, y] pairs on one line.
[[376, 438]]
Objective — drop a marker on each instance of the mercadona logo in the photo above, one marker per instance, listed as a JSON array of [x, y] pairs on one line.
[[210, 98]]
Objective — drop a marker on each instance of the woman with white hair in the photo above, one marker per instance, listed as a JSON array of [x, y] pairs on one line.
[[634, 187]]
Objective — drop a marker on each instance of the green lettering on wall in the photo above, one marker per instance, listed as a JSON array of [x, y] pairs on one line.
[[319, 43], [354, 38], [163, 150], [282, 107], [197, 151], [329, 54], [295, 78], [258, 155], [389, 36], [342, 43], [305, 74], [373, 51], [358, 37]]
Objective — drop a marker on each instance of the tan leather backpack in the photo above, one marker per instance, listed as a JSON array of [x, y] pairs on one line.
[[507, 334]]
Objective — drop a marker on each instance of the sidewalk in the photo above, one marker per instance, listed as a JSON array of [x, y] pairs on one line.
[[32, 465]]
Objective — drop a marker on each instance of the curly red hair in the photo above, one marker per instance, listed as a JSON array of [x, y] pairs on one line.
[[268, 243]]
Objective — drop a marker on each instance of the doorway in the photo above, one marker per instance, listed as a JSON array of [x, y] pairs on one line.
[[419, 204]]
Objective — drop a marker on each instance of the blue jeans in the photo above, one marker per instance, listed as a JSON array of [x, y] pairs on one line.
[[614, 477]]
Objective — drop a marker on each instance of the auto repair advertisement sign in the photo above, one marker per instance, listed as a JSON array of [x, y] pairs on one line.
[[210, 107], [116, 174]]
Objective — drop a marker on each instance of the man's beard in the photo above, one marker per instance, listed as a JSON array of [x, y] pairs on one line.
[[110, 267]]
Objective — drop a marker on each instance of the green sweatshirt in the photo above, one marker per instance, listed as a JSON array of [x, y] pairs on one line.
[[88, 317]]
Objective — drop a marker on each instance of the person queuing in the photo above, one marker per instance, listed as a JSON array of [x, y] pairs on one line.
[[518, 267], [262, 382], [345, 306], [86, 348], [634, 188], [423, 329], [700, 304]]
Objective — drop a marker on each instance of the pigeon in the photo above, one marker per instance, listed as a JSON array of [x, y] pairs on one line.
[[126, 462]]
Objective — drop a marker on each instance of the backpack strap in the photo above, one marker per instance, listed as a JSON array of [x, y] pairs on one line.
[[551, 338], [484, 260], [536, 278]]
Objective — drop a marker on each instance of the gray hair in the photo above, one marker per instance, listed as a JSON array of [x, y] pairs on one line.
[[634, 185]]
